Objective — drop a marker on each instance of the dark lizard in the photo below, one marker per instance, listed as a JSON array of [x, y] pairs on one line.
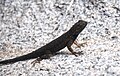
[[45, 52]]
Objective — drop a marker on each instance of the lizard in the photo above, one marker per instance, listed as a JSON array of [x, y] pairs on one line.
[[46, 51]]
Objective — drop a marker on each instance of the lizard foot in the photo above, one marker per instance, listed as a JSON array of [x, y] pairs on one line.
[[78, 53], [36, 61]]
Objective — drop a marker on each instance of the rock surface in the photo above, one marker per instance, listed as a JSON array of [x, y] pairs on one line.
[[27, 25]]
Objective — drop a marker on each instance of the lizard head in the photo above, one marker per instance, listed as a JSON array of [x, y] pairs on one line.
[[80, 25], [77, 28]]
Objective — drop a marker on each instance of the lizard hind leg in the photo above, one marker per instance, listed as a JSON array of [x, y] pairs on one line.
[[45, 56], [36, 61]]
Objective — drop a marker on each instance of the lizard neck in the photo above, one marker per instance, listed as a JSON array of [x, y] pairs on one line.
[[73, 33]]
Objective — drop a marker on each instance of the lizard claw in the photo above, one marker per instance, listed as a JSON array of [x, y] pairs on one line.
[[80, 45], [78, 53]]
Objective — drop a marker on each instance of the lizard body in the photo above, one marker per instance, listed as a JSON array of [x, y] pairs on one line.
[[65, 40]]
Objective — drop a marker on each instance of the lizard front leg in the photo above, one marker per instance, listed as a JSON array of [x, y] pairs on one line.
[[69, 44]]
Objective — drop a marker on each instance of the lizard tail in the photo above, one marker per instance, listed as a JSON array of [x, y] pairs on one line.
[[20, 58]]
